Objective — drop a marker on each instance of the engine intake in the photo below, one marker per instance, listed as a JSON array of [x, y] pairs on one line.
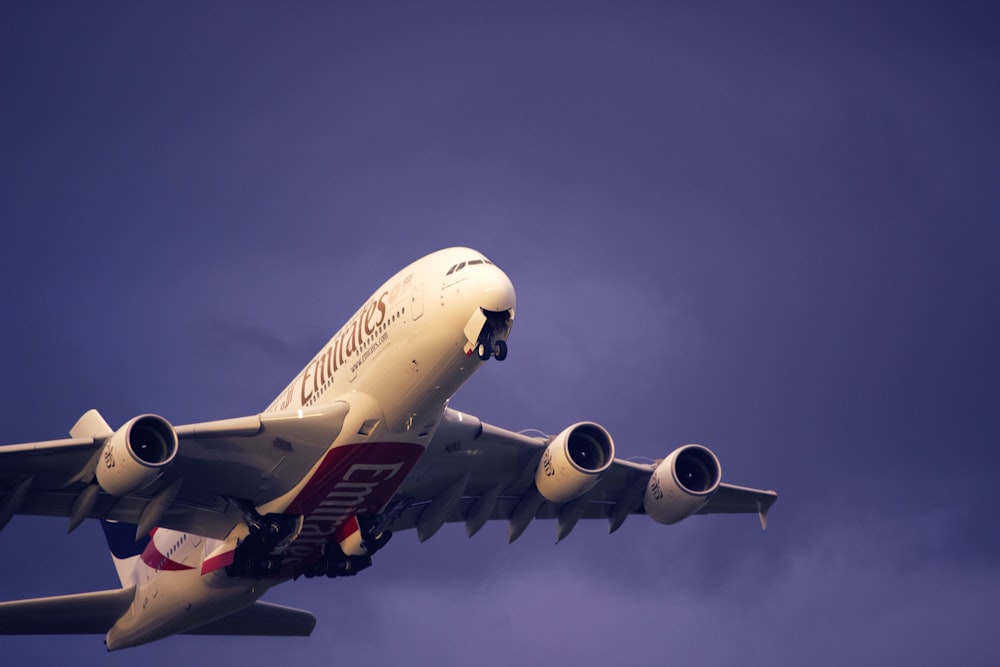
[[136, 455], [682, 483], [574, 461]]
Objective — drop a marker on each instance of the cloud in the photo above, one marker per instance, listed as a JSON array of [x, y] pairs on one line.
[[841, 599]]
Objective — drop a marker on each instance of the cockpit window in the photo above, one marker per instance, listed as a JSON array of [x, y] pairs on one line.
[[458, 267]]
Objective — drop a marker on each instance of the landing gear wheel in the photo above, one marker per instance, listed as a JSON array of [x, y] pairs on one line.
[[483, 350], [374, 537], [500, 350], [376, 542]]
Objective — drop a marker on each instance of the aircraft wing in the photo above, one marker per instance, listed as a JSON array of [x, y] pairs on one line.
[[474, 472], [255, 458]]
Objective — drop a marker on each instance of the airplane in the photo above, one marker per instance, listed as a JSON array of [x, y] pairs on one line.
[[203, 519]]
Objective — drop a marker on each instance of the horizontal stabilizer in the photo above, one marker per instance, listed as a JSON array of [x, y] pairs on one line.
[[262, 619], [95, 613], [80, 614]]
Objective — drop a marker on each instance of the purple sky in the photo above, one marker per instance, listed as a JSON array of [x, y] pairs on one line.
[[769, 229]]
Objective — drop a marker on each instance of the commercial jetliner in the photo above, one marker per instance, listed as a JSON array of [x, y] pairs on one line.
[[203, 519]]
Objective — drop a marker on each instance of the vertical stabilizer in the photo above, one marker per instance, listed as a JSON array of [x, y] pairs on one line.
[[125, 550]]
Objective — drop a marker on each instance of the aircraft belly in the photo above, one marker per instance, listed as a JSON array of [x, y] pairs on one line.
[[352, 479], [174, 602]]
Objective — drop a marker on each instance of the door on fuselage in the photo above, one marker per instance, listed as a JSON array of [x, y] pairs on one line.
[[417, 302]]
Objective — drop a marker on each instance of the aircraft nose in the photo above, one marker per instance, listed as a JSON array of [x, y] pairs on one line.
[[495, 290]]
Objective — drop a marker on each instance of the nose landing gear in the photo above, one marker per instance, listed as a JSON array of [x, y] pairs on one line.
[[490, 344], [497, 350]]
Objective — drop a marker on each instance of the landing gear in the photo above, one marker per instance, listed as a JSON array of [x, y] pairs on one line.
[[250, 564], [498, 350], [335, 563], [489, 343], [374, 537], [259, 553]]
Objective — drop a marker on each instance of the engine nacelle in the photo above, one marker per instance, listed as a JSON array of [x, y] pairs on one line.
[[682, 483], [573, 462], [136, 455]]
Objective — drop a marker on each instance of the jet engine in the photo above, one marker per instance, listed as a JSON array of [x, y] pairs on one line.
[[573, 462], [682, 483], [136, 454]]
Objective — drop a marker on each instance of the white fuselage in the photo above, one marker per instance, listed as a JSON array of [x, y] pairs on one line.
[[396, 362]]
